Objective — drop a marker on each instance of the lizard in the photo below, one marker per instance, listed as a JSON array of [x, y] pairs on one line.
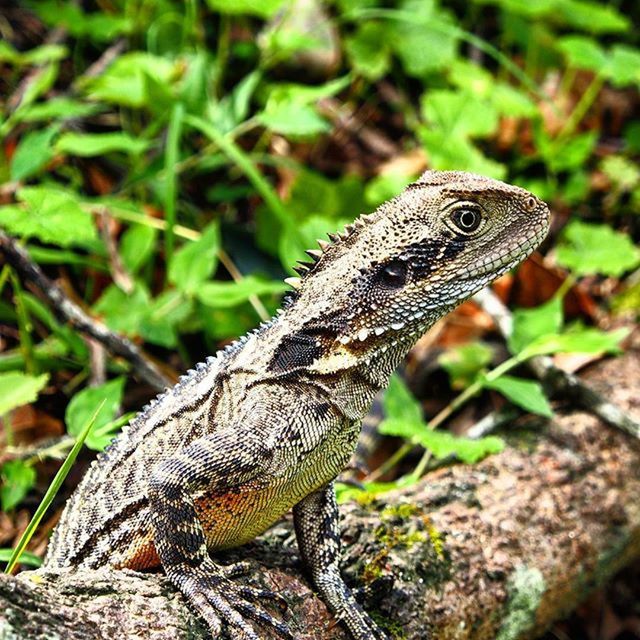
[[266, 425]]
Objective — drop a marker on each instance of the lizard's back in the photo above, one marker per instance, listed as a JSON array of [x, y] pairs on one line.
[[106, 520]]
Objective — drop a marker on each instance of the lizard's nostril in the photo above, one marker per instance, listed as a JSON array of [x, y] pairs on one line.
[[530, 203]]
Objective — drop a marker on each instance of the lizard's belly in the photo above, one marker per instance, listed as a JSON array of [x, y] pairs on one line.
[[238, 515]]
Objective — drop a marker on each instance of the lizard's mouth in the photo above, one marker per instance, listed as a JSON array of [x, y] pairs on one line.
[[499, 265]]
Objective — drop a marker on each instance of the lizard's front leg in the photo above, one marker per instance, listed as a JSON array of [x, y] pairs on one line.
[[316, 523], [217, 462]]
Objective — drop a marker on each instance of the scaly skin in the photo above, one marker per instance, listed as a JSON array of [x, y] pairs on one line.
[[266, 425]]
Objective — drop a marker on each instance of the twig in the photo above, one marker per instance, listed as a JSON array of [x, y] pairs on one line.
[[19, 259], [109, 55], [555, 380], [492, 421]]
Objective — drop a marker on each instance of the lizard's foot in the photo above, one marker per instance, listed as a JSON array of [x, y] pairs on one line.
[[219, 600], [347, 610], [362, 626]]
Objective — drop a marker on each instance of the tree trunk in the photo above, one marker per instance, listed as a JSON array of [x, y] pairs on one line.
[[499, 549]]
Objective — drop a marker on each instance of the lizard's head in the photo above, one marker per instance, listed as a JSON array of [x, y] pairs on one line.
[[397, 270]]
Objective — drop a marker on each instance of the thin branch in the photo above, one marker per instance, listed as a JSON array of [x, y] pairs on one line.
[[555, 380], [70, 312]]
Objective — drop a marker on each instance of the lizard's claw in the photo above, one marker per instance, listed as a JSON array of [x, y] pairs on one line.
[[219, 600]]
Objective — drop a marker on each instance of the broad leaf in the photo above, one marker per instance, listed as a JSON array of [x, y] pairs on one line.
[[196, 262], [221, 295], [18, 388], [443, 444], [530, 324], [34, 152], [50, 215], [401, 406], [596, 248], [463, 363], [525, 393], [83, 406], [17, 479]]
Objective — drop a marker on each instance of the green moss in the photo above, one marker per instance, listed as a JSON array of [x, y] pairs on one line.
[[393, 628], [526, 587], [401, 511]]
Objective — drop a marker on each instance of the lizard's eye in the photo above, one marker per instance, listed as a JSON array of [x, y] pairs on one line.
[[393, 274], [467, 218]]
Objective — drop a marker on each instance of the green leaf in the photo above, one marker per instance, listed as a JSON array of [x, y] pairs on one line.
[[580, 340], [98, 144], [457, 114], [124, 82], [624, 65], [50, 494], [50, 215], [195, 263], [41, 83], [18, 479], [596, 248], [511, 102], [455, 152], [443, 444], [368, 50], [18, 388], [463, 363], [290, 107], [415, 37], [37, 56], [123, 312], [137, 245], [289, 118], [530, 324], [58, 108], [99, 26], [260, 8], [400, 404], [594, 17], [34, 152], [525, 393], [623, 172], [567, 154], [233, 108], [83, 405], [583, 52], [163, 317], [221, 295]]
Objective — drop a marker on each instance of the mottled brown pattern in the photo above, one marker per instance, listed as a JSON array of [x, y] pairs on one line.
[[267, 424]]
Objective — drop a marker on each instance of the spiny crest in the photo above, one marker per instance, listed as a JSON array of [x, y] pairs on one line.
[[304, 268]]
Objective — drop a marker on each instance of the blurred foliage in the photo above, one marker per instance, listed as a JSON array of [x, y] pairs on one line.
[[170, 161]]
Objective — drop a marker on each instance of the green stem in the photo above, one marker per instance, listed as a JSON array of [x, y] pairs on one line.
[[24, 326], [224, 40], [246, 165], [170, 160], [473, 389], [580, 110]]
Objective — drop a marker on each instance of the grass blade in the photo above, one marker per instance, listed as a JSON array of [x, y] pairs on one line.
[[53, 489]]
